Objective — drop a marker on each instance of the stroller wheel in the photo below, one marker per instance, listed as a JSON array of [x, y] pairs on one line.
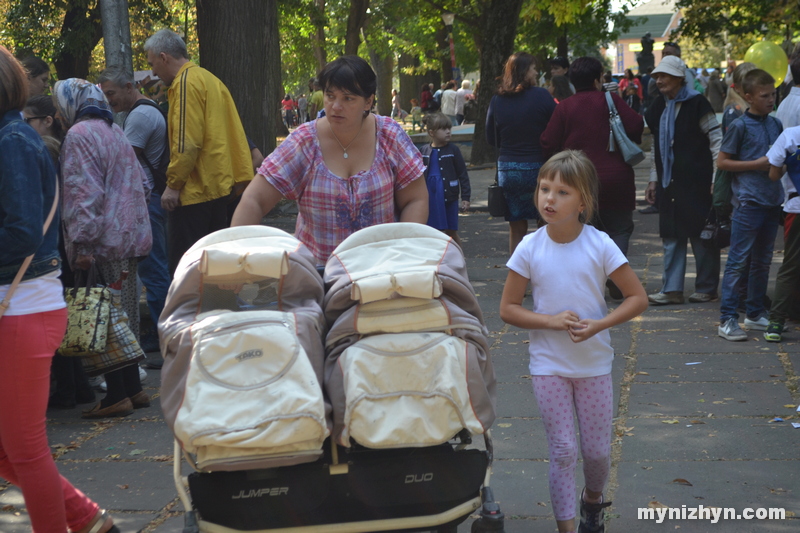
[[446, 529]]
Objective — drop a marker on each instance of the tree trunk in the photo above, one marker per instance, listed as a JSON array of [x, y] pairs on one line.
[[356, 19], [318, 45], [562, 44], [498, 43], [408, 82], [252, 76], [384, 70], [73, 62], [117, 34], [444, 54]]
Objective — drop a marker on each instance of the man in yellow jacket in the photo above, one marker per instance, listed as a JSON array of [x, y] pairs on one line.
[[209, 153]]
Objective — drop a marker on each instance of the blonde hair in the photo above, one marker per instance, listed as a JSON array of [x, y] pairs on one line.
[[733, 97], [577, 171]]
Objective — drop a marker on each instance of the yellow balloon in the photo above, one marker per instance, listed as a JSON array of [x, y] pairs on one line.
[[769, 56]]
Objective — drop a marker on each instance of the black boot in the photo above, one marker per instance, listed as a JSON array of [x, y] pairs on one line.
[[592, 516]]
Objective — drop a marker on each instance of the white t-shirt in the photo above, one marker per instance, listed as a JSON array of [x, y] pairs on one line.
[[145, 128], [787, 145], [568, 277], [37, 295], [449, 102]]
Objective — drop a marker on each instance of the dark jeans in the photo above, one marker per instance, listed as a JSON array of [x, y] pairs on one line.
[[788, 280], [190, 223], [153, 270], [753, 231], [618, 224]]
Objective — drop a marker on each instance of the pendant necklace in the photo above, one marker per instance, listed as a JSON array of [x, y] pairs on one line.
[[344, 148]]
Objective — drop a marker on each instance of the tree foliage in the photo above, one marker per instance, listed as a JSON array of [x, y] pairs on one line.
[[704, 18], [67, 32]]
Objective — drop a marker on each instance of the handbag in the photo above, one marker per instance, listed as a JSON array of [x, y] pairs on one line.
[[26, 263], [630, 151], [88, 309], [497, 200], [715, 235], [122, 349]]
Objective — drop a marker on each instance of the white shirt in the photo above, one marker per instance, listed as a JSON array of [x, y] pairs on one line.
[[449, 102], [568, 277], [787, 144], [789, 115], [37, 295]]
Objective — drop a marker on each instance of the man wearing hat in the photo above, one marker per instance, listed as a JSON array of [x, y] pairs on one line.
[[686, 141]]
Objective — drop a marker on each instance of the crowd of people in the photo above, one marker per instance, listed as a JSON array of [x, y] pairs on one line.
[[136, 195]]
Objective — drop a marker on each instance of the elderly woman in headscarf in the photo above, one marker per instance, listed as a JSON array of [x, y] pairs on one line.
[[686, 141], [105, 216]]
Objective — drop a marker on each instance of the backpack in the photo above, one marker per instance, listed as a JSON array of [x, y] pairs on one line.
[[159, 170]]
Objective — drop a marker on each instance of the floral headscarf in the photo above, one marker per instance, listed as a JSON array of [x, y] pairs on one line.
[[76, 97]]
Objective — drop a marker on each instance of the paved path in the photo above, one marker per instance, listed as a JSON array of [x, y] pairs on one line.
[[686, 435]]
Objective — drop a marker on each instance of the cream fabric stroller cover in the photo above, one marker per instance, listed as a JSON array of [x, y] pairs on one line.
[[241, 335], [407, 359]]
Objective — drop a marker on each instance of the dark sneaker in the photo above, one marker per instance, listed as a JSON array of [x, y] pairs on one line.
[[592, 517], [730, 330], [773, 332]]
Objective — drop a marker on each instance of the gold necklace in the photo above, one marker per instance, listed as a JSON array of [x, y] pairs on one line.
[[344, 148]]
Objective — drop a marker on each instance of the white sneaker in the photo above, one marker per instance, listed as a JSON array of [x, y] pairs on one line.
[[142, 375], [759, 324], [731, 331], [98, 383]]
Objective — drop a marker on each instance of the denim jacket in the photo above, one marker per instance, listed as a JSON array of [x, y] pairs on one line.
[[27, 188]]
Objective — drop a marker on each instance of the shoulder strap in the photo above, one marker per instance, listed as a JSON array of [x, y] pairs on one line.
[[151, 103], [612, 109], [26, 263]]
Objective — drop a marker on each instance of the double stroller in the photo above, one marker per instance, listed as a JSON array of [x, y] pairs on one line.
[[342, 403]]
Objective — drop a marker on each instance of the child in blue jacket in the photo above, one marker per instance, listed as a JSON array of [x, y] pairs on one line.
[[446, 177]]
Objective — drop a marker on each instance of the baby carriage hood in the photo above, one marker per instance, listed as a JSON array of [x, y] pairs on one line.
[[233, 270], [399, 259]]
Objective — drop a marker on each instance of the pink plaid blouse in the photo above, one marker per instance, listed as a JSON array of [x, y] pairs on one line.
[[330, 207]]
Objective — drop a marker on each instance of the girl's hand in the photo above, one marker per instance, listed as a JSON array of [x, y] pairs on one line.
[[584, 329], [564, 321]]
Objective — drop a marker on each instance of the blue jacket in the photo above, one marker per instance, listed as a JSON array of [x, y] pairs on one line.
[[27, 188], [453, 168]]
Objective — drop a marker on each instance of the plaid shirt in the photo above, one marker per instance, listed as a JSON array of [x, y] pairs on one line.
[[332, 208]]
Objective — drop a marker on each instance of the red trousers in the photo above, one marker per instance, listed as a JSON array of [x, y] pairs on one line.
[[27, 344]]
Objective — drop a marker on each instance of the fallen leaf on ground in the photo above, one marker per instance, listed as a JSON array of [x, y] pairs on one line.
[[642, 373], [697, 422], [681, 481], [123, 487], [504, 425], [670, 421], [657, 505], [789, 406]]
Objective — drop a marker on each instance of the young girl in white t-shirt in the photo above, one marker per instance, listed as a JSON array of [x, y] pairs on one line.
[[567, 263]]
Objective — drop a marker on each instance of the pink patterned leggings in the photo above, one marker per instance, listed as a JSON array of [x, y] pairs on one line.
[[593, 401]]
